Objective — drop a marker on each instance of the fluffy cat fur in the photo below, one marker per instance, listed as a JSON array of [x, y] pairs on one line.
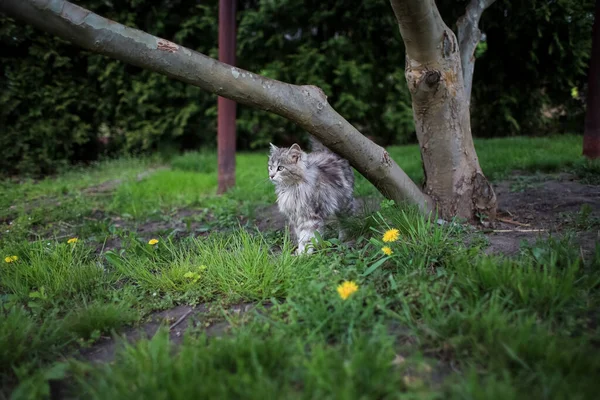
[[312, 189]]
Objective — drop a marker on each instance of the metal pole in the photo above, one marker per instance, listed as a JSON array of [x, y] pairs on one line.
[[226, 108]]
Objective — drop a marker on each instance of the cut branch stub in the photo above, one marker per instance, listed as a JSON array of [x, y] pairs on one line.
[[432, 78]]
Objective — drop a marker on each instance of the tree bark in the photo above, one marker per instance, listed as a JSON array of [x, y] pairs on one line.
[[226, 138], [305, 105], [433, 71], [469, 36], [591, 135]]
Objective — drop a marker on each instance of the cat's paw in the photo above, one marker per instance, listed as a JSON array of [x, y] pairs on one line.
[[302, 250]]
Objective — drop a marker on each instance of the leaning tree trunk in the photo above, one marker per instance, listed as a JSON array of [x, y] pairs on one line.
[[469, 36], [591, 135], [453, 177], [307, 106]]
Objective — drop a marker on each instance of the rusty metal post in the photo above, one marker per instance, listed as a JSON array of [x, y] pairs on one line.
[[591, 133], [226, 107]]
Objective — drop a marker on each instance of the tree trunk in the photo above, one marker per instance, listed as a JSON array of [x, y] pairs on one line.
[[469, 36], [226, 108], [591, 135], [453, 177], [307, 106]]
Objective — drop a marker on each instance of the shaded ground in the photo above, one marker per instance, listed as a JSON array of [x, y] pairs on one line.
[[536, 207], [529, 207], [209, 318]]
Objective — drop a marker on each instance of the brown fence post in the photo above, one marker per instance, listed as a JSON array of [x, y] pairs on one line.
[[226, 108]]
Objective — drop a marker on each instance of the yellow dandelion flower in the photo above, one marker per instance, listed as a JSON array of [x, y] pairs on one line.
[[10, 259], [72, 240], [153, 241], [387, 251], [391, 236], [346, 289], [193, 276]]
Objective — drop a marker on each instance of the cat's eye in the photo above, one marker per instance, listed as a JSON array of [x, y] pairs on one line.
[[280, 168]]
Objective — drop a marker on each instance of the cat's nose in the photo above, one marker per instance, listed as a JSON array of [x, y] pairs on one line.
[[271, 176]]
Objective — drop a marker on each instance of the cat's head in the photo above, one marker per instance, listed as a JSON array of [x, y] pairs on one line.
[[286, 165]]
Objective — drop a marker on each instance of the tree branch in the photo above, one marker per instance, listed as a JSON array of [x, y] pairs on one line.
[[305, 105], [421, 27], [469, 36]]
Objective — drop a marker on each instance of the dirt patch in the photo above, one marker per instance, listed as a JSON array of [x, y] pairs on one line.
[[204, 317], [177, 223], [270, 218], [542, 203], [544, 206]]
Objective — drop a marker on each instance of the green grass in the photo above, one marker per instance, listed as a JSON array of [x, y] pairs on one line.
[[241, 266], [192, 181], [523, 336], [52, 269], [251, 367], [204, 161], [498, 157], [588, 171], [24, 338], [168, 189], [15, 193], [436, 319], [522, 320]]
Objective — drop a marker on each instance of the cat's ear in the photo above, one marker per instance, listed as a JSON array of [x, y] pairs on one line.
[[273, 148], [295, 152], [296, 147]]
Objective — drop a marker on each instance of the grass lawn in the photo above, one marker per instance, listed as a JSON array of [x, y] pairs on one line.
[[436, 319]]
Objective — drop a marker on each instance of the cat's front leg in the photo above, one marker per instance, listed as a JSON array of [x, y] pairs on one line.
[[342, 233], [305, 232], [303, 249]]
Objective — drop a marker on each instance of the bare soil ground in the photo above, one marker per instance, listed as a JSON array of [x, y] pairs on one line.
[[209, 318], [548, 206]]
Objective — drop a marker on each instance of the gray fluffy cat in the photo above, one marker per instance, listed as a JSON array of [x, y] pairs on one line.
[[312, 188]]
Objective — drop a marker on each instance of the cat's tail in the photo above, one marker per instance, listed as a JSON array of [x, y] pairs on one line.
[[316, 145]]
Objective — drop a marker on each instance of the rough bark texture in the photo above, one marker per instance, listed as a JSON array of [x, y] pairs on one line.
[[305, 105], [433, 70], [226, 108], [469, 36], [591, 135]]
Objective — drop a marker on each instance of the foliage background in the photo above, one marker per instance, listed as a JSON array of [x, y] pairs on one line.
[[60, 105]]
